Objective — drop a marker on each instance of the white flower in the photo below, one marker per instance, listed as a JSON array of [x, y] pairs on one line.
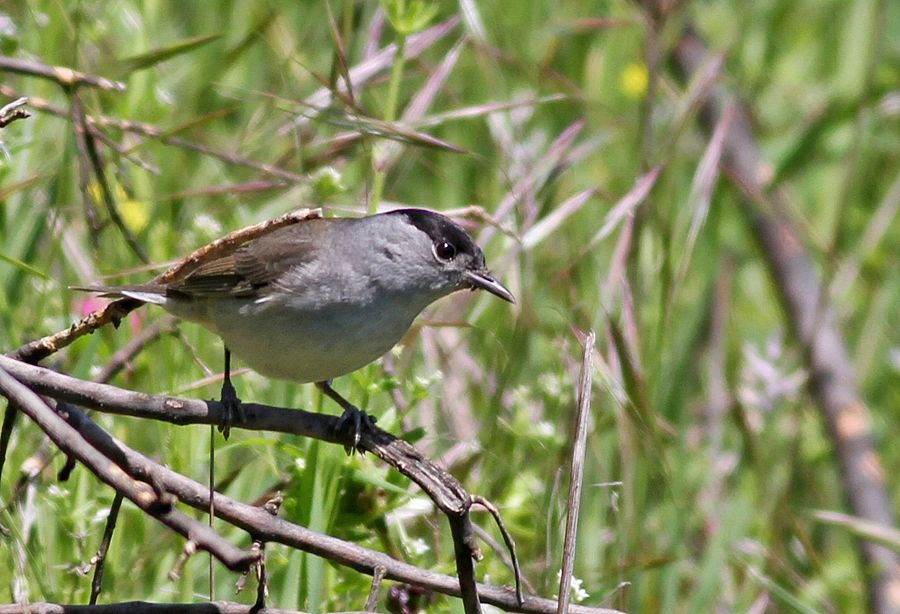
[[544, 429], [57, 492], [417, 546], [578, 593], [414, 508], [100, 516], [766, 380], [551, 383]]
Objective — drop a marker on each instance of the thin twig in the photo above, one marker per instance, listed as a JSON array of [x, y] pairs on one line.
[[190, 547], [39, 349], [262, 586], [100, 557], [14, 111], [88, 203], [507, 538], [119, 149], [377, 579], [262, 583], [127, 352], [578, 451], [88, 145], [62, 75], [9, 421]]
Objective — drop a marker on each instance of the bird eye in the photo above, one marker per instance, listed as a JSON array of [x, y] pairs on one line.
[[445, 250]]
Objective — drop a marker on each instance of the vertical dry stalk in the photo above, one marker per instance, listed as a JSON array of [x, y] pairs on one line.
[[578, 452]]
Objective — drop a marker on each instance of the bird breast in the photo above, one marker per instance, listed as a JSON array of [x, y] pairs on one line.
[[278, 339]]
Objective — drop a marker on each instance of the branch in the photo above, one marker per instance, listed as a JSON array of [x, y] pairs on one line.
[[130, 350], [447, 492], [511, 559], [70, 441], [814, 325], [255, 520], [465, 549], [377, 579], [35, 351]]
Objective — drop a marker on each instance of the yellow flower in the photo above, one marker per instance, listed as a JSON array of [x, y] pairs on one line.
[[633, 81], [134, 214]]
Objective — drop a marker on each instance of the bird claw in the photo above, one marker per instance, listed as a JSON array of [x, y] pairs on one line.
[[353, 423], [232, 409]]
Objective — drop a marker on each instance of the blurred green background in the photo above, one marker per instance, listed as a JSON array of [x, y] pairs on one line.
[[702, 471]]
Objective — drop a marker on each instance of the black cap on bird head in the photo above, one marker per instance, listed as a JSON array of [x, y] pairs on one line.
[[449, 241]]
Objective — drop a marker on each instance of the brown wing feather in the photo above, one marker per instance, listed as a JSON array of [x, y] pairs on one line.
[[248, 271]]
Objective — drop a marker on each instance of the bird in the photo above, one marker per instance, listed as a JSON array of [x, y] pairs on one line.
[[323, 297]]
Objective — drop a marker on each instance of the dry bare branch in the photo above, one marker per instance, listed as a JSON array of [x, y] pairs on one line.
[[139, 493], [255, 520]]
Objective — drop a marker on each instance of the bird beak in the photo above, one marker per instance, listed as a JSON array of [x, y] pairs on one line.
[[482, 280]]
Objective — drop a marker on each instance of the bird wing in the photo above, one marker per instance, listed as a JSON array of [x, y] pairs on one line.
[[252, 268]]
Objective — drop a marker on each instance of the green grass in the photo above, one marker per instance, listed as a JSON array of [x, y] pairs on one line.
[[694, 521]]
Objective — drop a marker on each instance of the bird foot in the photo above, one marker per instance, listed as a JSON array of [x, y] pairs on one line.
[[233, 410], [353, 423]]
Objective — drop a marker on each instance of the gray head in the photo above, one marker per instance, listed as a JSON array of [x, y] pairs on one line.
[[447, 259]]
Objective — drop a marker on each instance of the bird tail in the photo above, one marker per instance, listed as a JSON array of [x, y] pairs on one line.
[[149, 293]]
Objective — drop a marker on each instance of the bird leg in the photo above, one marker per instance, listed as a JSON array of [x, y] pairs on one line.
[[354, 420], [231, 404]]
